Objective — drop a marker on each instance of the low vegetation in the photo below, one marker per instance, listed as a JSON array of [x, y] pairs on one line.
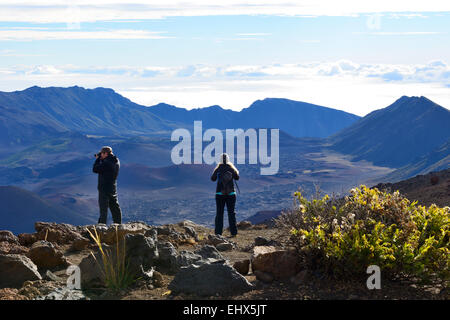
[[342, 237], [114, 265]]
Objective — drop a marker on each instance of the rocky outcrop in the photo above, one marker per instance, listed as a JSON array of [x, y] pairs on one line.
[[109, 235], [45, 255], [208, 279], [281, 264], [15, 269], [59, 233]]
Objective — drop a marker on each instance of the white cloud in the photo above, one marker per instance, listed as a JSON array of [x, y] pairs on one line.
[[342, 84], [29, 35], [101, 10]]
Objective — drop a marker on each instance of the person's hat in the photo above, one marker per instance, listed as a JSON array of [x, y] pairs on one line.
[[106, 149]]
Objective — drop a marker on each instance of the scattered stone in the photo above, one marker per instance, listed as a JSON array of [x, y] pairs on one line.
[[224, 246], [216, 239], [191, 232], [27, 239], [261, 241], [11, 294], [243, 225], [12, 248], [15, 269], [263, 276], [152, 233], [45, 255], [158, 280], [209, 279], [188, 223], [208, 251], [8, 236], [280, 264], [242, 266]]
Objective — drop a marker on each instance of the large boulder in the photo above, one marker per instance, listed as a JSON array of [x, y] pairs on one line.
[[15, 269], [281, 264], [45, 255], [210, 278]]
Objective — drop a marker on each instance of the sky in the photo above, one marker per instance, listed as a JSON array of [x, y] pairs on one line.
[[355, 56]]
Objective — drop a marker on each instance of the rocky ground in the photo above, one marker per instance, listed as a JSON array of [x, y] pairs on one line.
[[177, 261]]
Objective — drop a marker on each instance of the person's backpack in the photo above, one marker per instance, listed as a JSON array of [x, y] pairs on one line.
[[225, 186]]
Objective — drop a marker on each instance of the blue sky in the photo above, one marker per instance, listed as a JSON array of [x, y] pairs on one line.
[[193, 54]]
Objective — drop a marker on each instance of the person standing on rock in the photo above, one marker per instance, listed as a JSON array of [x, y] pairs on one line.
[[225, 173], [107, 167]]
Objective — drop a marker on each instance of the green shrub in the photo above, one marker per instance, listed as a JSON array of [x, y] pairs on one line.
[[343, 237]]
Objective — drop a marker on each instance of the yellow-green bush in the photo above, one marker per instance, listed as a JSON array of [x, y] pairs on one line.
[[343, 237]]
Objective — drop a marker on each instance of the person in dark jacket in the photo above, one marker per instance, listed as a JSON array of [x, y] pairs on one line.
[[107, 167], [224, 173]]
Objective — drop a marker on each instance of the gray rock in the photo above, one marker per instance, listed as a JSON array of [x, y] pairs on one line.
[[141, 251], [167, 260], [261, 241], [15, 269], [208, 251], [91, 269], [216, 239], [152, 233], [186, 258], [224, 246], [209, 279], [191, 232]]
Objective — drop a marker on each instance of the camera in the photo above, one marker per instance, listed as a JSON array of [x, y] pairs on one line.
[[96, 155]]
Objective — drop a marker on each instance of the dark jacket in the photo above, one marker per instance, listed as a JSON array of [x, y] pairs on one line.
[[108, 170], [220, 170]]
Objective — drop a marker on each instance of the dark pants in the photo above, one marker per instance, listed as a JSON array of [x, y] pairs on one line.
[[230, 201], [109, 200]]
